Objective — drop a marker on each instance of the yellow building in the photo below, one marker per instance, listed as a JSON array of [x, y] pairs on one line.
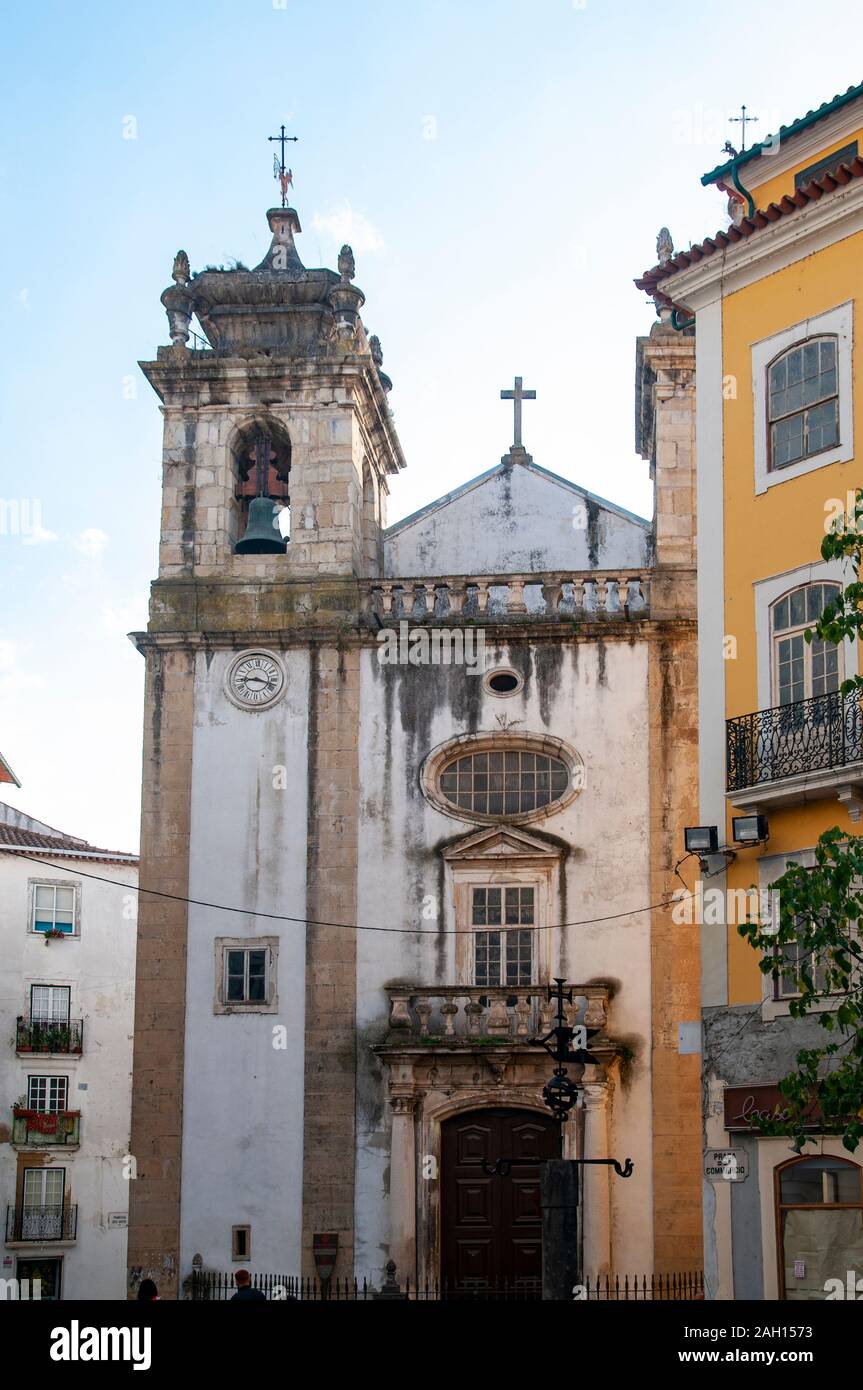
[[776, 300]]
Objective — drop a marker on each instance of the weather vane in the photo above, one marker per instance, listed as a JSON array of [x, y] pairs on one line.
[[285, 176]]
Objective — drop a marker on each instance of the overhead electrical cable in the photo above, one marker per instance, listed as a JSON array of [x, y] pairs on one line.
[[342, 926]]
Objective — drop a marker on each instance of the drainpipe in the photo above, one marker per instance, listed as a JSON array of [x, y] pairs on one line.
[[680, 323], [750, 202]]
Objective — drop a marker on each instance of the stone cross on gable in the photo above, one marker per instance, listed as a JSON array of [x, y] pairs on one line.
[[518, 395]]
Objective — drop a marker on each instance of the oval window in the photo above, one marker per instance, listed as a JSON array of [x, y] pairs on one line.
[[503, 682], [511, 783]]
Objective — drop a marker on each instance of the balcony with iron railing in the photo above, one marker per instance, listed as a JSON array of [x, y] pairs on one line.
[[45, 1128], [41, 1225], [803, 751], [582, 596], [53, 1039], [468, 1015]]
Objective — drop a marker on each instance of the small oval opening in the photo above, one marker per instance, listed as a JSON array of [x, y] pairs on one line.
[[503, 683]]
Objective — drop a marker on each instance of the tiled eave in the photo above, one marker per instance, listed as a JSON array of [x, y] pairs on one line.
[[658, 282]]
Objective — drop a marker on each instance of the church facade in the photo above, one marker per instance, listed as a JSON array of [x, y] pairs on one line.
[[397, 780]]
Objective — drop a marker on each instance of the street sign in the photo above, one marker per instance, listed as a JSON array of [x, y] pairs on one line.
[[726, 1165]]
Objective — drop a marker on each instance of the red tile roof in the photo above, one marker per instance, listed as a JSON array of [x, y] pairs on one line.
[[727, 239], [64, 846]]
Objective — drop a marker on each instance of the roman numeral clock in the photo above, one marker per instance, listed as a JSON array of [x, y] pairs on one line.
[[255, 680]]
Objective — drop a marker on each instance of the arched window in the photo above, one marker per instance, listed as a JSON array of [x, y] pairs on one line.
[[819, 1207], [803, 402], [802, 670]]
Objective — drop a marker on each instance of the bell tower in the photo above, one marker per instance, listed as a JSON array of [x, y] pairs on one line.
[[278, 446], [287, 360]]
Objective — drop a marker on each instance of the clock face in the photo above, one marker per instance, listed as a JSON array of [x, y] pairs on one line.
[[255, 680]]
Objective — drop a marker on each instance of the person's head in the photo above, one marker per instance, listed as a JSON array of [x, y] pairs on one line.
[[242, 1278], [147, 1290]]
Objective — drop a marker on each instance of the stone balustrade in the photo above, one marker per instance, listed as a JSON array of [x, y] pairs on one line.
[[585, 596], [453, 1014]]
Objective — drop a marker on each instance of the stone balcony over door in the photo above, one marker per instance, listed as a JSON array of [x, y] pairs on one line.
[[471, 1015]]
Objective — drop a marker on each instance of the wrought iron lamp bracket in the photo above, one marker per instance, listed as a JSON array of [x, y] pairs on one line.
[[503, 1166]]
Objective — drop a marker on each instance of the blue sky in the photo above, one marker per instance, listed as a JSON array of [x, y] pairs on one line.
[[501, 170]]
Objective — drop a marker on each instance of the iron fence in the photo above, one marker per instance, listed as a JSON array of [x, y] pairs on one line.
[[207, 1286], [609, 1288]]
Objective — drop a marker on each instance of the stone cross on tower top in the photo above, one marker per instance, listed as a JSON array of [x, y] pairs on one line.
[[518, 395]]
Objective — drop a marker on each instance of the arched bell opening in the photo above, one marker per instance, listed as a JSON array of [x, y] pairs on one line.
[[262, 465]]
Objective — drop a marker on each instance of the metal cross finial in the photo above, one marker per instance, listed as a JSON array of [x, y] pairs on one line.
[[561, 995], [518, 395], [743, 120], [279, 171]]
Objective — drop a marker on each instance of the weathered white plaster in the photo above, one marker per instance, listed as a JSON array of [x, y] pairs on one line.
[[517, 519], [243, 1097], [594, 700]]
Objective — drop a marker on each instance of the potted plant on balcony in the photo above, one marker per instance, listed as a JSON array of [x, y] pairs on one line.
[[54, 934]]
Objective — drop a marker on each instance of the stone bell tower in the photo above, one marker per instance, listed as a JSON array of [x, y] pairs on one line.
[[285, 401], [290, 356]]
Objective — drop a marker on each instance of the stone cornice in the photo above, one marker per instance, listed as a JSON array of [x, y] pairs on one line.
[[351, 634], [199, 381]]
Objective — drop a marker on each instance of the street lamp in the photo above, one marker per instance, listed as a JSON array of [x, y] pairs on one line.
[[559, 1180]]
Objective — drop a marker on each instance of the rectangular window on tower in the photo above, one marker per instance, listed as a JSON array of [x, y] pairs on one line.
[[246, 975], [503, 919]]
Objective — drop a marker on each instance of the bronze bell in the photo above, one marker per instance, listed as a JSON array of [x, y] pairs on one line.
[[262, 532]]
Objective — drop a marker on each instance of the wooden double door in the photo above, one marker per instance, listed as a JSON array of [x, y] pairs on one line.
[[491, 1226]]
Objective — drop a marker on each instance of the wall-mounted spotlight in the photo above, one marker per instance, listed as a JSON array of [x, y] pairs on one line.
[[701, 839], [749, 830]]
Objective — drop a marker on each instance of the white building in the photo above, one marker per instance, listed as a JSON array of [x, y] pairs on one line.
[[67, 964], [491, 816]]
